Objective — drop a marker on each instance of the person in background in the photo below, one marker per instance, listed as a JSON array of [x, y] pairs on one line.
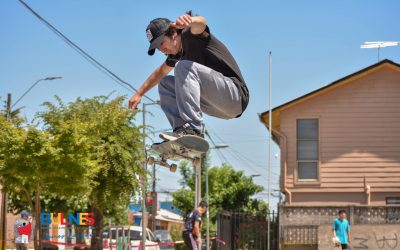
[[192, 230], [23, 231], [341, 229]]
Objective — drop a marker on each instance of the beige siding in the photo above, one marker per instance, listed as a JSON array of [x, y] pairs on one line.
[[359, 138]]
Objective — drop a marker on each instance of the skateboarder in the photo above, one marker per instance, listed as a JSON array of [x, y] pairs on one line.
[[206, 76], [341, 229], [192, 230]]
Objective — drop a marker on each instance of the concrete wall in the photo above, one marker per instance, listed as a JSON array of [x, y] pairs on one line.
[[371, 237], [372, 227]]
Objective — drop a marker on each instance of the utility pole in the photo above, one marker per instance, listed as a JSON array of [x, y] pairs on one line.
[[154, 200], [269, 149], [4, 194], [144, 195], [144, 232], [8, 106]]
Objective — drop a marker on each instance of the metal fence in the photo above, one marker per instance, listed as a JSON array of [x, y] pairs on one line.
[[243, 231]]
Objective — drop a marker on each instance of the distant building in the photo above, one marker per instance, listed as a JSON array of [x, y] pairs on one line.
[[167, 216], [167, 205]]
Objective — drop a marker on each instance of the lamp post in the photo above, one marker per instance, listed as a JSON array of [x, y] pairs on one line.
[[216, 146], [33, 85], [4, 197], [145, 169], [269, 148]]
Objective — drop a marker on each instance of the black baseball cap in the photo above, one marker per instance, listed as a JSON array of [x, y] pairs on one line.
[[155, 32]]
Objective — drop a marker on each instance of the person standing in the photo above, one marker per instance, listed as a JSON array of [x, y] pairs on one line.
[[22, 231], [192, 230], [341, 229]]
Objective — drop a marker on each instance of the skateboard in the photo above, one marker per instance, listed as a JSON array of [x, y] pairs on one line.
[[188, 147]]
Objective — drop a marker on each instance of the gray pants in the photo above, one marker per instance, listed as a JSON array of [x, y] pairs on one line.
[[195, 89]]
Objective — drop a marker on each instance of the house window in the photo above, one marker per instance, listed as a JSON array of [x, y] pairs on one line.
[[307, 149], [392, 200]]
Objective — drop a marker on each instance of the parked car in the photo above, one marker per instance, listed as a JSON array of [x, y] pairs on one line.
[[163, 236], [132, 234]]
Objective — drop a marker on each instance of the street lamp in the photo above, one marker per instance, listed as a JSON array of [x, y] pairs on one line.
[[3, 194], [216, 146], [33, 85], [219, 146]]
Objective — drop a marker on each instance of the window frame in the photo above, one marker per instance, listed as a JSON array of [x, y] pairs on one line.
[[317, 161]]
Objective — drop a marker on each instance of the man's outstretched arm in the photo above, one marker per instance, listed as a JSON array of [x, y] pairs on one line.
[[150, 82]]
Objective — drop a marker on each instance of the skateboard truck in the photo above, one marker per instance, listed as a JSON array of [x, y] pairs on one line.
[[163, 162]]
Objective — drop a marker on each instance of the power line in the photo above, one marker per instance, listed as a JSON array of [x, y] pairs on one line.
[[83, 53], [220, 154], [240, 157], [234, 155]]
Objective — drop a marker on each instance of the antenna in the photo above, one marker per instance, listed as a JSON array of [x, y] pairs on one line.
[[378, 45]]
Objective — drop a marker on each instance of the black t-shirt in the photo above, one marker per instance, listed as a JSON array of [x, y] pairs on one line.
[[190, 220], [207, 50]]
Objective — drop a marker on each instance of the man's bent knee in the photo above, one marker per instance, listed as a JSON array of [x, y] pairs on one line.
[[167, 82], [183, 66]]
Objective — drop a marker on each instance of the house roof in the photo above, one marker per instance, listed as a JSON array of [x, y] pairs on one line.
[[275, 111], [165, 215]]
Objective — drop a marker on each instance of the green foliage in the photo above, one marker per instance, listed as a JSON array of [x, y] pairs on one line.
[[176, 235], [114, 147], [228, 190], [87, 152], [31, 158]]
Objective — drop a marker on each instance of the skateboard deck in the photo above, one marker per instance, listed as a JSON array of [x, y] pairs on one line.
[[188, 147]]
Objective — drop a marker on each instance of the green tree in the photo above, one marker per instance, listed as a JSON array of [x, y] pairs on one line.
[[33, 162], [115, 146], [85, 151], [228, 190]]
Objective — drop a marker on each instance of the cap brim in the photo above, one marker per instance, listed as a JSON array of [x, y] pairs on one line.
[[155, 44]]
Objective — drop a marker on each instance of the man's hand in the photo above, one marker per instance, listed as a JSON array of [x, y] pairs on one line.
[[182, 22], [134, 101]]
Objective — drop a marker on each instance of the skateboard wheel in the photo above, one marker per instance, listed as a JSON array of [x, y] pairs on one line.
[[150, 160], [173, 168]]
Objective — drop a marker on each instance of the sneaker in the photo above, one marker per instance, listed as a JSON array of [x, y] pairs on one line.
[[168, 136], [179, 132]]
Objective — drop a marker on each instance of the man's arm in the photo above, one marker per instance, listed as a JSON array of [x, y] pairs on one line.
[[348, 233], [196, 231], [150, 82], [197, 23]]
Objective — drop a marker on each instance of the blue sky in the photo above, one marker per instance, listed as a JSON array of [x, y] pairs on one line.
[[313, 43]]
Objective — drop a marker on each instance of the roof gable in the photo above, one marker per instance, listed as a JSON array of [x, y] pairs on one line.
[[335, 83], [264, 117]]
